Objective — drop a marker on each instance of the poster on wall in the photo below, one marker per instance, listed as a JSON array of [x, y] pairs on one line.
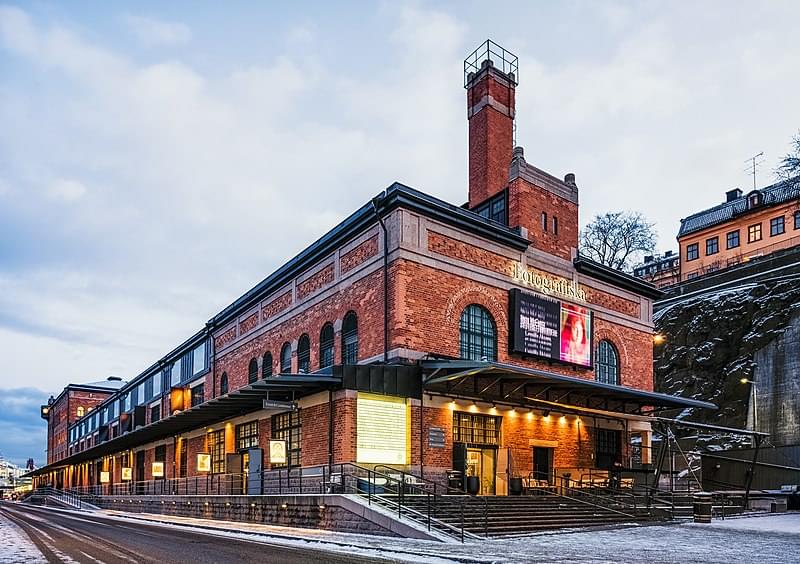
[[203, 462], [158, 469], [127, 474], [547, 328], [383, 427], [277, 451], [105, 477]]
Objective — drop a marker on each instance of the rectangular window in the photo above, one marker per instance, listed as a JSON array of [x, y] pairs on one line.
[[797, 220], [160, 455], [476, 429], [608, 448], [199, 360], [157, 384], [148, 389], [286, 426], [733, 239], [182, 458], [692, 251], [140, 394], [197, 394], [544, 222], [155, 413], [247, 435], [777, 226], [175, 373], [754, 233], [498, 210], [692, 275], [555, 225], [216, 446], [712, 246]]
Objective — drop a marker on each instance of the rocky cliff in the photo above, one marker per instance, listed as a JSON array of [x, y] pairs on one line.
[[715, 340]]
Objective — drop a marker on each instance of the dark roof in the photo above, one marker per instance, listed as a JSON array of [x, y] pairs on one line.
[[281, 387], [778, 193], [578, 391], [397, 195], [616, 277]]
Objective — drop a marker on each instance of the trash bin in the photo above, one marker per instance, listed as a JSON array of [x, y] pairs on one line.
[[473, 485], [702, 507], [455, 479], [515, 486]]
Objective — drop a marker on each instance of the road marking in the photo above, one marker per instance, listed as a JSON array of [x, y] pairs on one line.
[[90, 557]]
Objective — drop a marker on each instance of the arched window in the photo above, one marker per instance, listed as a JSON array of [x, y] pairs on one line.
[[350, 339], [286, 359], [607, 367], [266, 365], [223, 384], [478, 334], [80, 412], [326, 346], [304, 354], [252, 371]]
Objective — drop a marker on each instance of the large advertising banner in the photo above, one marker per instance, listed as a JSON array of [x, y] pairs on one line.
[[547, 328]]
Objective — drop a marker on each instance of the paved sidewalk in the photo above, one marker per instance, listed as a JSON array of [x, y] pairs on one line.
[[765, 539]]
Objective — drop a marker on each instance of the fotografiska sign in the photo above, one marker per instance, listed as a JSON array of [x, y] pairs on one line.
[[547, 284]]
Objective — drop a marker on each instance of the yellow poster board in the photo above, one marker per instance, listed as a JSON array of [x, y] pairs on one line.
[[203, 462], [105, 477], [127, 474], [158, 469], [383, 427]]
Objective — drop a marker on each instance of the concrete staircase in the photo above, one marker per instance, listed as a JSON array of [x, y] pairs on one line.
[[495, 516]]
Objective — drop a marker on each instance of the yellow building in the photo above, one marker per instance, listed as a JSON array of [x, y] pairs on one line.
[[743, 228]]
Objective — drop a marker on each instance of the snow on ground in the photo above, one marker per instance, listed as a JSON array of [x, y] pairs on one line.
[[764, 539], [16, 546]]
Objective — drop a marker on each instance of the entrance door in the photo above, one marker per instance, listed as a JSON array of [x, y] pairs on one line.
[[139, 472], [542, 463], [482, 463]]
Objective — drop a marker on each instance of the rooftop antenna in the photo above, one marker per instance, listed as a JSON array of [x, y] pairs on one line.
[[752, 165]]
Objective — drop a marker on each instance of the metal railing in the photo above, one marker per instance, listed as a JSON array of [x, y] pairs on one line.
[[64, 496]]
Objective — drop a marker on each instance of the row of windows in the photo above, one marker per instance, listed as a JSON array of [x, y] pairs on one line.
[[494, 209], [777, 226], [326, 352], [544, 223], [190, 365], [478, 341]]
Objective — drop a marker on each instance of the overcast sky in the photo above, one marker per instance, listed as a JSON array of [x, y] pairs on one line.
[[157, 160]]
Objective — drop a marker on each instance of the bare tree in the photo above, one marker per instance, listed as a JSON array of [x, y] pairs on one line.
[[789, 167], [616, 238]]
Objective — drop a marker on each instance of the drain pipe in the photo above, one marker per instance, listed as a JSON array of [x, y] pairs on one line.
[[377, 200]]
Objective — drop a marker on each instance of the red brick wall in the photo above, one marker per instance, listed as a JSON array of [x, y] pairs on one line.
[[359, 254], [248, 324], [447, 246], [364, 297], [627, 307], [276, 306], [431, 302], [315, 282], [525, 206]]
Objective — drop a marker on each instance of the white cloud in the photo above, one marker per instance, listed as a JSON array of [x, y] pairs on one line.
[[153, 32], [66, 190]]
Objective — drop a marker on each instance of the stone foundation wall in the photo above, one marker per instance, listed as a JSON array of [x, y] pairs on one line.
[[329, 512]]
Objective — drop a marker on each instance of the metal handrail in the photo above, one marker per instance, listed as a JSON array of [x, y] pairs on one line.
[[551, 491]]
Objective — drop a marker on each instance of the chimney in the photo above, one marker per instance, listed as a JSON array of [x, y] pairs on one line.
[[734, 194], [490, 80]]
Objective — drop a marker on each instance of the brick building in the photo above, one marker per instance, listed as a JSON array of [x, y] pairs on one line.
[[418, 334], [743, 228], [75, 401]]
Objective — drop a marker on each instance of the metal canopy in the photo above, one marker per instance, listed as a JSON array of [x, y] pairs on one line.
[[280, 387], [495, 381]]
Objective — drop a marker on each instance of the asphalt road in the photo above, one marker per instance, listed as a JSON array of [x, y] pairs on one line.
[[76, 537]]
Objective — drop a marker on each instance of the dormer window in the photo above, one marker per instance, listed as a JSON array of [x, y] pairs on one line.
[[754, 200]]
